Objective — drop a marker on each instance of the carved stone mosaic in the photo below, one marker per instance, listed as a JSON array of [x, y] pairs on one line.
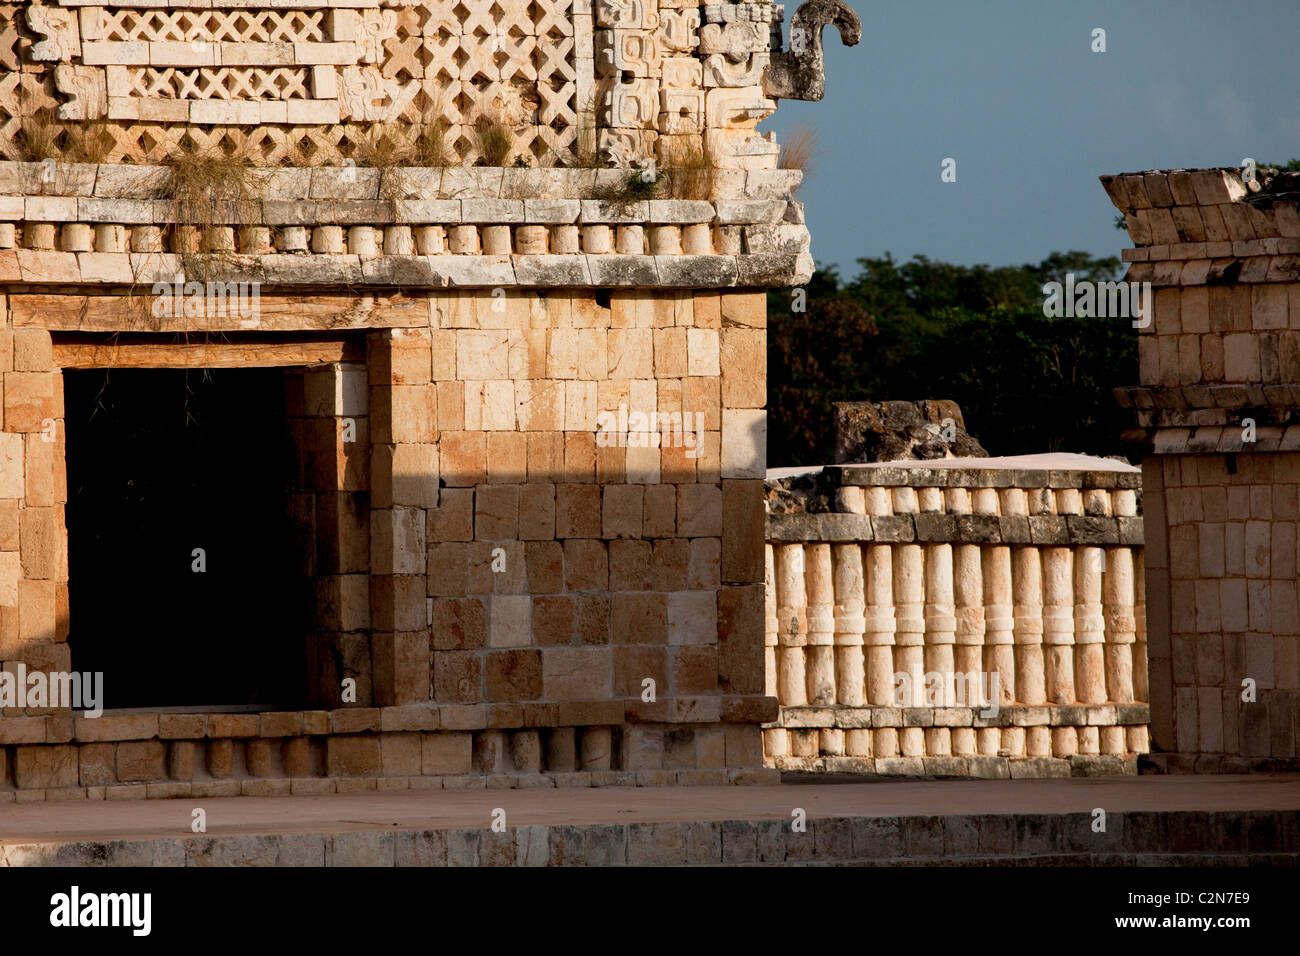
[[305, 81]]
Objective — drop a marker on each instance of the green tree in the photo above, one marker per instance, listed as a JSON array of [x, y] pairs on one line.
[[975, 334]]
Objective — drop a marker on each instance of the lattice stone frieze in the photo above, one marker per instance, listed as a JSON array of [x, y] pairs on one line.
[[439, 58], [514, 56], [226, 84], [145, 69], [11, 39], [553, 60], [302, 80], [214, 26], [512, 18], [552, 20], [405, 54]]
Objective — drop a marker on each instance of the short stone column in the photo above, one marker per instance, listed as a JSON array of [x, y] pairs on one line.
[[968, 588], [881, 623], [820, 653], [771, 623], [909, 607], [1089, 627], [940, 614], [1027, 587], [792, 618], [1121, 623], [1058, 624], [999, 622], [850, 625], [1141, 683]]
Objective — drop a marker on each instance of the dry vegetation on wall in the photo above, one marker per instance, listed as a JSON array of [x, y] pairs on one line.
[[38, 137], [688, 172], [799, 151], [382, 145], [205, 189], [430, 146]]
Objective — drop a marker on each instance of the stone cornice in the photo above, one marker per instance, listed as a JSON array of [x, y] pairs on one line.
[[323, 228], [1209, 226], [26, 270], [360, 182], [1049, 529]]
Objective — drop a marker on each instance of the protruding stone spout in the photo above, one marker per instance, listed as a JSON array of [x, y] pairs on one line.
[[800, 72]]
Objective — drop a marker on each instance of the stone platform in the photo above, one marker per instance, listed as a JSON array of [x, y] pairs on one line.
[[1184, 821]]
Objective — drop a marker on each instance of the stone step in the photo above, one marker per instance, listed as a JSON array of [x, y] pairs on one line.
[[1163, 821]]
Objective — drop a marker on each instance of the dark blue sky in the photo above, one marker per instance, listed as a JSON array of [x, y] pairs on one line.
[[1012, 91]]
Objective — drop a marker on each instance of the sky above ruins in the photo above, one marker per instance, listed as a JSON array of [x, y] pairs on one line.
[[1012, 91]]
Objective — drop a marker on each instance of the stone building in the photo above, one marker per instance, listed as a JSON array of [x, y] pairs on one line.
[[1215, 410], [383, 407], [341, 467]]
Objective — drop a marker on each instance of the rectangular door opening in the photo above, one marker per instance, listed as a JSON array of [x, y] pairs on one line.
[[186, 581]]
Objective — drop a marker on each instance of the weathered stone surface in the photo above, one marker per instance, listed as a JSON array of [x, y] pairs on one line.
[[889, 431]]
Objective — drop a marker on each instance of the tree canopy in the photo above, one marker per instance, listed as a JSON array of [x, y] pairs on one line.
[[975, 334]]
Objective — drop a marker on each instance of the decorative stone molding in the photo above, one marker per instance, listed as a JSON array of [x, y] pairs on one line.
[[59, 29], [1209, 226], [304, 80], [418, 746], [800, 73], [1028, 581], [85, 90], [98, 226]]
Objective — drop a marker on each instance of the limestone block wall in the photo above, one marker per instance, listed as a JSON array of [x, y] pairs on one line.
[[34, 560], [535, 603], [528, 583], [1215, 413], [967, 621], [522, 582], [330, 504], [559, 568]]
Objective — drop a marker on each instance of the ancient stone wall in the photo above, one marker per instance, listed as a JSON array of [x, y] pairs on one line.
[[308, 82], [486, 242], [525, 587], [1215, 413], [971, 620]]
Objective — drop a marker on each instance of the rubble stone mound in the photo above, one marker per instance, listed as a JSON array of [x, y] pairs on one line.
[[897, 431]]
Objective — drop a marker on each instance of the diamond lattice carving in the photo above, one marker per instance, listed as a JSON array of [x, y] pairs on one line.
[[396, 62]]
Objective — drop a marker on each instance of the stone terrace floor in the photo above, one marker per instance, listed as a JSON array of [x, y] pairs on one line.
[[1157, 819]]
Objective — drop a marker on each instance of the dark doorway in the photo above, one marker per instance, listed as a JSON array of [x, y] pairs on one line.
[[161, 462]]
